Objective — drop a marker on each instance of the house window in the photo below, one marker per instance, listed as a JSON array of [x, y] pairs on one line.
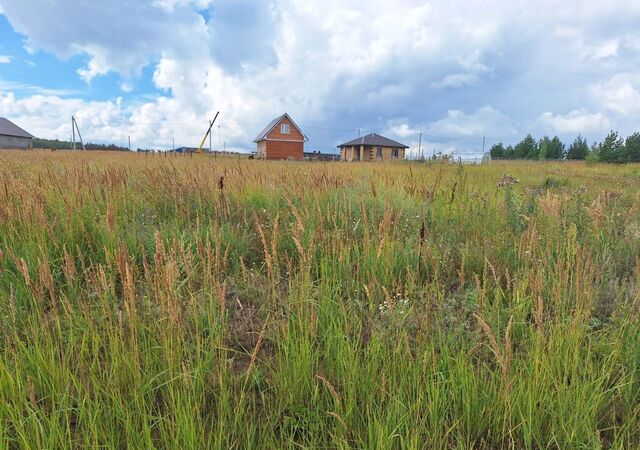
[[284, 128], [394, 153], [379, 152]]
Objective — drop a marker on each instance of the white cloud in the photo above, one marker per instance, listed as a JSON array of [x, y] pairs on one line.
[[126, 86], [119, 35], [5, 59], [621, 93], [577, 121], [484, 121], [400, 127], [457, 80]]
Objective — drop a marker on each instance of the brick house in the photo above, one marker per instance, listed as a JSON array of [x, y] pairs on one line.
[[372, 147], [281, 139]]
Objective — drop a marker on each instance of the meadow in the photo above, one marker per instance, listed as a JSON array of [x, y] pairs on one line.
[[194, 303]]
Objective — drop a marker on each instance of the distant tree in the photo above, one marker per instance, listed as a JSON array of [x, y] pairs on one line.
[[632, 148], [592, 156], [578, 149], [611, 150], [543, 146], [555, 149], [526, 148], [497, 150], [509, 152]]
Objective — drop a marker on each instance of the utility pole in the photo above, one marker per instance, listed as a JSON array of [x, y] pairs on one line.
[[73, 132], [358, 132], [483, 138], [74, 122], [420, 146], [129, 143], [173, 143], [210, 148]]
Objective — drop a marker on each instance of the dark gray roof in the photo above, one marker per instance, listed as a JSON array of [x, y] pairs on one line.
[[8, 128], [374, 140], [263, 134]]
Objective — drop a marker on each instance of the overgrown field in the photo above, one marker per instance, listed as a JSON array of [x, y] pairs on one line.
[[211, 303]]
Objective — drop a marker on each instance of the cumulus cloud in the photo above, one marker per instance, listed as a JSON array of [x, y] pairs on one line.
[[577, 121], [119, 35], [621, 93], [5, 59]]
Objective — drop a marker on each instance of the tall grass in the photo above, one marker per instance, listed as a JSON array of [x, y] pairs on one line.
[[200, 303]]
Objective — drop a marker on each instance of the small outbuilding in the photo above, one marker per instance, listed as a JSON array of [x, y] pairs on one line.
[[14, 137], [281, 139], [372, 147]]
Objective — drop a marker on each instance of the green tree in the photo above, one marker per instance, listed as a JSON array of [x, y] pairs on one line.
[[497, 150], [526, 148], [543, 146], [611, 150], [632, 148], [578, 149], [555, 149]]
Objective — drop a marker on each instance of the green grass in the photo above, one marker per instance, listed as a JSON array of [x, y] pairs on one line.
[[310, 305]]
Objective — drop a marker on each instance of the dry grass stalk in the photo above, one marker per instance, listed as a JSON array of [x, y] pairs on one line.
[[32, 393], [186, 379], [265, 247], [502, 357], [256, 350], [496, 280], [332, 390], [221, 295], [388, 298], [69, 267], [12, 304], [340, 419]]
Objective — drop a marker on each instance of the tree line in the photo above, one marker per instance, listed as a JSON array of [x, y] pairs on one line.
[[62, 145], [613, 149]]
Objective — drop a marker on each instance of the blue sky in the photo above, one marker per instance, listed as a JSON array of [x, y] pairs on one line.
[[454, 71]]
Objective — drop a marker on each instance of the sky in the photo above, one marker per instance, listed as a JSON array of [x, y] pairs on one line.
[[455, 71]]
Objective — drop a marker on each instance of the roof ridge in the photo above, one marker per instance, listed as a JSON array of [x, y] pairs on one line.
[[8, 128], [265, 132], [374, 139]]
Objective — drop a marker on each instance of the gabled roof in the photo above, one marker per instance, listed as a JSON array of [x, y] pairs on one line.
[[263, 134], [8, 128], [374, 140]]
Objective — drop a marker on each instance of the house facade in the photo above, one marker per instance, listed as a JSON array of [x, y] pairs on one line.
[[14, 137], [372, 147], [280, 139]]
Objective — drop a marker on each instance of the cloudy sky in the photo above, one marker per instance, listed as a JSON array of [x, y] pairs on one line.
[[454, 70]]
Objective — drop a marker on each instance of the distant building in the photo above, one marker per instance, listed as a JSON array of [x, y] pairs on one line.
[[281, 139], [14, 137], [372, 147], [319, 156]]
